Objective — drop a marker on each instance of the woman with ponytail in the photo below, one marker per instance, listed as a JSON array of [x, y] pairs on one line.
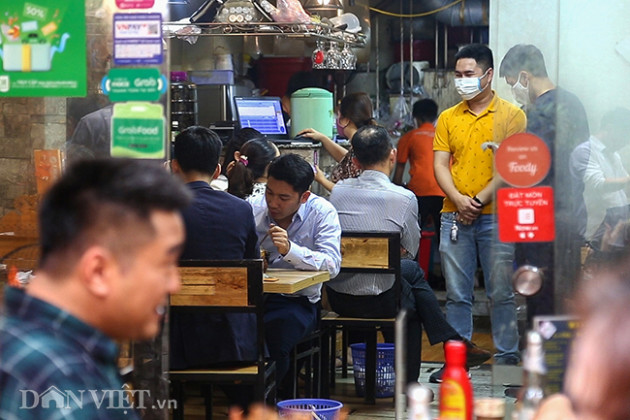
[[247, 174], [355, 111]]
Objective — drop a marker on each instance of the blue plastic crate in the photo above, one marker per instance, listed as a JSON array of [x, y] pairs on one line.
[[324, 409], [385, 369]]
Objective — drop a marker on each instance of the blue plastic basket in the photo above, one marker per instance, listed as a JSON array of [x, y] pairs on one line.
[[385, 369], [324, 409]]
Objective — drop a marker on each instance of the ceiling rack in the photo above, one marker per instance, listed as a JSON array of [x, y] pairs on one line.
[[288, 30]]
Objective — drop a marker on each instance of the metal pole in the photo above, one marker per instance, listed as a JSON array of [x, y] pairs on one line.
[[400, 366], [437, 45], [445, 46], [378, 72], [402, 33], [410, 54]]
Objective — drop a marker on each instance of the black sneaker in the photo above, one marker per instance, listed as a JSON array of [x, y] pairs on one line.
[[506, 360], [436, 377]]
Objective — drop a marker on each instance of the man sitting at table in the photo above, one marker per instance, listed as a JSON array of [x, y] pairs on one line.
[[219, 226], [298, 230], [372, 202]]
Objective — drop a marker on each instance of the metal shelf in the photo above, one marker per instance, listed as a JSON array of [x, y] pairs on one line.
[[288, 30]]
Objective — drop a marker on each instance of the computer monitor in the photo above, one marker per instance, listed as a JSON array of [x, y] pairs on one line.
[[263, 114]]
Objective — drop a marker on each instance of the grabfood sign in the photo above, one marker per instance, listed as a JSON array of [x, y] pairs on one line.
[[138, 130]]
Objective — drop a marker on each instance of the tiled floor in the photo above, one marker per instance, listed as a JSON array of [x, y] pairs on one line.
[[344, 391], [433, 358], [384, 408]]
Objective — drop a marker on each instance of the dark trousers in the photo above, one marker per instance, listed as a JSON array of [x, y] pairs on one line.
[[417, 296], [287, 321], [430, 205]]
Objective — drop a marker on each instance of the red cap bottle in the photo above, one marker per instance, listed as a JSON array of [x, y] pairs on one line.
[[456, 395]]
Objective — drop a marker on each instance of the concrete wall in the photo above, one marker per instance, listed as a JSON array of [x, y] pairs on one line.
[[26, 124], [41, 123]]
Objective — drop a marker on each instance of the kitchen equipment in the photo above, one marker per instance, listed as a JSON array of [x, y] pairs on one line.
[[312, 108], [216, 103], [183, 102], [350, 20]]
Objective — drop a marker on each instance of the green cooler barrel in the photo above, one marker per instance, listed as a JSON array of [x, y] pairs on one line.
[[312, 108]]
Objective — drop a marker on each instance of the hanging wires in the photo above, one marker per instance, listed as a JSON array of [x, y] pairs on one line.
[[431, 12]]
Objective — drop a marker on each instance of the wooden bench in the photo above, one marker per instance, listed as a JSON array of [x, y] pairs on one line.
[[362, 252], [220, 286]]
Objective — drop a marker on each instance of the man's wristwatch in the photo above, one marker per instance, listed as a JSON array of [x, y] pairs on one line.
[[478, 201]]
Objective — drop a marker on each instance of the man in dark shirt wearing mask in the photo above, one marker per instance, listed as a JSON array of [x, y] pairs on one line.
[[559, 119]]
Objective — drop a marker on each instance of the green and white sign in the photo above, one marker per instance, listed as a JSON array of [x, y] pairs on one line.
[[42, 48], [135, 84], [138, 130]]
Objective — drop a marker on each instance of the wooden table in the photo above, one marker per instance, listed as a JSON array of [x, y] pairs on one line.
[[291, 281]]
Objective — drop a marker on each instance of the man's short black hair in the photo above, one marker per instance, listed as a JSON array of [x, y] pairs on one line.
[[425, 110], [523, 57], [478, 52], [294, 170], [197, 149], [106, 201], [371, 145]]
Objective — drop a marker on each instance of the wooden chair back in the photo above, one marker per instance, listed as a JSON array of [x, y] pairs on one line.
[[220, 284], [371, 252], [362, 252]]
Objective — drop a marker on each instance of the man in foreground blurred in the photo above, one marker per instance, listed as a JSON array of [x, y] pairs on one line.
[[110, 234]]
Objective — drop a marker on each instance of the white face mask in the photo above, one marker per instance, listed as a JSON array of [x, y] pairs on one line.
[[469, 87], [520, 92]]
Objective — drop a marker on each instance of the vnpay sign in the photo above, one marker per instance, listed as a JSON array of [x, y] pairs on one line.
[[137, 26]]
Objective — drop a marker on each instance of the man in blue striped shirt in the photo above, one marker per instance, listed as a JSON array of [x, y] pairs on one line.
[[110, 235], [372, 202]]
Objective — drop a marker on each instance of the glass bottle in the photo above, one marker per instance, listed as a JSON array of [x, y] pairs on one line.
[[534, 371], [419, 399], [456, 393]]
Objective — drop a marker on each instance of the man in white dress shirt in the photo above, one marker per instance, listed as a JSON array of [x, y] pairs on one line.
[[299, 230], [597, 164]]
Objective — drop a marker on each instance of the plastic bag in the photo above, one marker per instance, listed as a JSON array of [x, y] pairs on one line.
[[401, 119], [290, 11]]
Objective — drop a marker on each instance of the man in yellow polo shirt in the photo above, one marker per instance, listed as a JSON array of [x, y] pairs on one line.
[[469, 227]]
